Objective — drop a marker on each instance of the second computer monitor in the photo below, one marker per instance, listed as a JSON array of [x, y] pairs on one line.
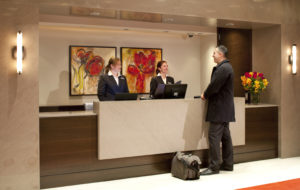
[[174, 91]]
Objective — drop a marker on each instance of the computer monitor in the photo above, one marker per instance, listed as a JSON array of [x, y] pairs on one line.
[[175, 91], [126, 96], [170, 91]]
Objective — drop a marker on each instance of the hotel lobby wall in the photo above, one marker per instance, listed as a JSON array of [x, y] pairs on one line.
[[266, 58], [184, 56], [208, 45], [290, 91], [19, 115], [266, 48]]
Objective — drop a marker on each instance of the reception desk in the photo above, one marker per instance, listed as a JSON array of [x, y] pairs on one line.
[[69, 141], [139, 128]]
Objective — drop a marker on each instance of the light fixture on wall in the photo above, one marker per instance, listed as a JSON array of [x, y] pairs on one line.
[[18, 52], [293, 59]]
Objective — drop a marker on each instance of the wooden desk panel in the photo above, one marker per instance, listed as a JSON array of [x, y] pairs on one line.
[[261, 135]]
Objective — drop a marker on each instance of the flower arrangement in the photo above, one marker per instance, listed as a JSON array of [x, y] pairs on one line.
[[254, 83]]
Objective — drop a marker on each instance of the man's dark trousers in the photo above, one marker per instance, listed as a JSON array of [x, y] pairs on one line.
[[219, 132]]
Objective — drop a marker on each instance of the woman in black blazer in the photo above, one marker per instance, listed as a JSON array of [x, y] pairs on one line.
[[160, 78], [112, 82]]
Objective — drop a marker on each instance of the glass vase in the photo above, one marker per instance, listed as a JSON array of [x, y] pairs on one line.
[[254, 98]]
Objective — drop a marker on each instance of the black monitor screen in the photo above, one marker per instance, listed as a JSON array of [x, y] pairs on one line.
[[174, 91]]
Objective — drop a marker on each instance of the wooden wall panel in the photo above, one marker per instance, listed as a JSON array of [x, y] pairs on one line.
[[239, 44]]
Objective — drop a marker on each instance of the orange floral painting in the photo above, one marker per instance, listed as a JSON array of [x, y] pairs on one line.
[[86, 64], [139, 65]]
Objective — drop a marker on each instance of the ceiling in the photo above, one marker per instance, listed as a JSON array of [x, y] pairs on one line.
[[68, 8], [206, 13]]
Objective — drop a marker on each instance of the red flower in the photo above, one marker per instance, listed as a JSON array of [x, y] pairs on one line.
[[261, 75], [95, 66], [143, 65], [255, 75], [247, 75], [132, 69]]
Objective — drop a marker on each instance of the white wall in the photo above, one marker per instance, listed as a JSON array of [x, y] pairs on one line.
[[208, 45], [183, 56]]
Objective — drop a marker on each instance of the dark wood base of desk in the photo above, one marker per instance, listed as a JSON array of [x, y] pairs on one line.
[[68, 150]]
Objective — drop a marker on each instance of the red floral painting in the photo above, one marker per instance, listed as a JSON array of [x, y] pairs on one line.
[[86, 64], [139, 65]]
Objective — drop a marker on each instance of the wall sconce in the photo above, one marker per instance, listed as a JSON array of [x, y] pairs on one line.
[[293, 59], [18, 52]]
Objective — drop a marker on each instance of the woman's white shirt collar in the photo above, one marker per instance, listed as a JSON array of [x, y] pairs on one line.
[[116, 78], [164, 79], [110, 73]]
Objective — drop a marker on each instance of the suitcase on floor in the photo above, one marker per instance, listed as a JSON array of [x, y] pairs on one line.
[[185, 166]]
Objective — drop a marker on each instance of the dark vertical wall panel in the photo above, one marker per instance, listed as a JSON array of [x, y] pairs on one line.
[[239, 44]]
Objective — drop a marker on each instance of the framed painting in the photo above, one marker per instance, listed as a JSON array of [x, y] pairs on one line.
[[139, 65], [86, 63]]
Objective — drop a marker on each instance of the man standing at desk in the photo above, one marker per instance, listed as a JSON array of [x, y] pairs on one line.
[[220, 112]]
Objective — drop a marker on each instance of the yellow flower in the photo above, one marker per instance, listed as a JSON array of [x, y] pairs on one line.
[[243, 78], [257, 85], [265, 81], [248, 81], [251, 74]]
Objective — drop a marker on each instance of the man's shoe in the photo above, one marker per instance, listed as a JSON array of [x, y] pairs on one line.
[[209, 171], [226, 168]]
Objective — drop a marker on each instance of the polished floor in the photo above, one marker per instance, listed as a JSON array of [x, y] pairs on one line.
[[244, 175]]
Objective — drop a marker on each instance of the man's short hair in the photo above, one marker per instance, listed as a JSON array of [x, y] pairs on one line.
[[223, 50]]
